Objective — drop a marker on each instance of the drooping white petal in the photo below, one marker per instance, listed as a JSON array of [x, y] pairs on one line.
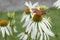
[[41, 36], [34, 31], [27, 23], [9, 28], [45, 36], [7, 32], [47, 22], [38, 35], [27, 18], [22, 36], [29, 28], [3, 32], [25, 37], [23, 17], [45, 29], [15, 29]]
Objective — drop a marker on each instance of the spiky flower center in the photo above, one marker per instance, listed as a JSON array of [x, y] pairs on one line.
[[27, 11], [37, 18], [3, 23]]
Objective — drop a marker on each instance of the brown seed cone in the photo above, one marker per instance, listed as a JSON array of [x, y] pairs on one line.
[[37, 18], [3, 23], [27, 11]]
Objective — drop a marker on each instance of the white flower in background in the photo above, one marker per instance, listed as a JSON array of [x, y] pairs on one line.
[[23, 36], [5, 28], [57, 4], [28, 11]]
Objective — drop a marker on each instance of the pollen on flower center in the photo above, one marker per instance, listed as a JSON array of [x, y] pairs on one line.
[[27, 11], [3, 23], [37, 18]]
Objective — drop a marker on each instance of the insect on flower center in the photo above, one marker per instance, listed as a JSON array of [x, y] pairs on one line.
[[3, 23], [39, 12], [27, 11], [37, 18]]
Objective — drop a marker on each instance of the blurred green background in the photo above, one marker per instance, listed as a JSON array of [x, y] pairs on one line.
[[52, 12]]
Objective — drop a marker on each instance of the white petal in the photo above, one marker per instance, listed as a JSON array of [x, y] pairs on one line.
[[34, 6], [27, 4], [29, 28], [47, 22], [25, 37], [23, 17], [38, 35], [34, 31], [41, 37], [27, 23], [7, 32], [27, 18], [45, 36], [15, 29], [30, 4], [9, 28], [46, 30], [20, 34], [21, 37], [3, 31]]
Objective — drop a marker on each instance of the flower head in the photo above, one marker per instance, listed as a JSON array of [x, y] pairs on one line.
[[27, 11], [6, 28], [4, 24]]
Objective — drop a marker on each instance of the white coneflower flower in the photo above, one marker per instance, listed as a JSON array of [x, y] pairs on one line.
[[23, 36], [57, 4], [39, 25], [4, 28], [28, 11]]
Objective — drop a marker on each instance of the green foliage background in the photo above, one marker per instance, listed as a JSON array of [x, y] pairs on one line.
[[52, 12]]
